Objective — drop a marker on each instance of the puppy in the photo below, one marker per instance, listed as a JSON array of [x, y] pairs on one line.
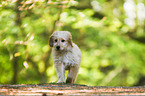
[[66, 56]]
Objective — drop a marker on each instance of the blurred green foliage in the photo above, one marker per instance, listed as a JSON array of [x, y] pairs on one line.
[[110, 34]]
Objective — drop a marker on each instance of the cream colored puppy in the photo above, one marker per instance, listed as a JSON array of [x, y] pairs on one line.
[[66, 56]]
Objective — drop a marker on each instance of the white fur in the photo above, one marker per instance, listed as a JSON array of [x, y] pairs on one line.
[[67, 58]]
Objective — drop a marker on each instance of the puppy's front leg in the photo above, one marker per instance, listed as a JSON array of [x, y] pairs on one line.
[[60, 72]]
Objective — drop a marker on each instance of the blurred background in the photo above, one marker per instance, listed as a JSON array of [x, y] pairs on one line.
[[110, 34]]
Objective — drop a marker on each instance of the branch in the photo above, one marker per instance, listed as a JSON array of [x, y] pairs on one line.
[[111, 75], [56, 21]]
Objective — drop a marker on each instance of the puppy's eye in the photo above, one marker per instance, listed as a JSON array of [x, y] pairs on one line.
[[62, 40], [55, 40]]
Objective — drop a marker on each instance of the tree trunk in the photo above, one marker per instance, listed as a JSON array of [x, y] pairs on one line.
[[15, 59]]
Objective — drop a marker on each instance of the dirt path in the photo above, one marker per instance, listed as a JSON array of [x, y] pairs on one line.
[[68, 89]]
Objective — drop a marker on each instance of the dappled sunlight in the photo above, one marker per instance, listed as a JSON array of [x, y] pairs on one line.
[[26, 64], [133, 12]]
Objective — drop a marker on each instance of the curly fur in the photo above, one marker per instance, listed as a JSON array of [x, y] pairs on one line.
[[66, 56]]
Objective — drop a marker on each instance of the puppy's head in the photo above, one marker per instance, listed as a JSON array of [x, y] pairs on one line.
[[61, 40]]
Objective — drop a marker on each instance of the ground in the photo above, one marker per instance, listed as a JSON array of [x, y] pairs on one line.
[[68, 89]]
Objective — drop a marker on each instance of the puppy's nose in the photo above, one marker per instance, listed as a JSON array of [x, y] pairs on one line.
[[58, 47]]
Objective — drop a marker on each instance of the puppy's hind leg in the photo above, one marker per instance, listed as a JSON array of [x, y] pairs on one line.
[[72, 74]]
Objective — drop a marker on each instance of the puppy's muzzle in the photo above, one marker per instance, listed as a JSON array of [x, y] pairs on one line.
[[57, 47]]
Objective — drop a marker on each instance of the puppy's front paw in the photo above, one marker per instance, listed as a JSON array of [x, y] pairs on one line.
[[59, 82]]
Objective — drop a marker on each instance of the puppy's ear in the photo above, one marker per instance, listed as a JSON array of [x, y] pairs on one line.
[[51, 41], [70, 40]]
